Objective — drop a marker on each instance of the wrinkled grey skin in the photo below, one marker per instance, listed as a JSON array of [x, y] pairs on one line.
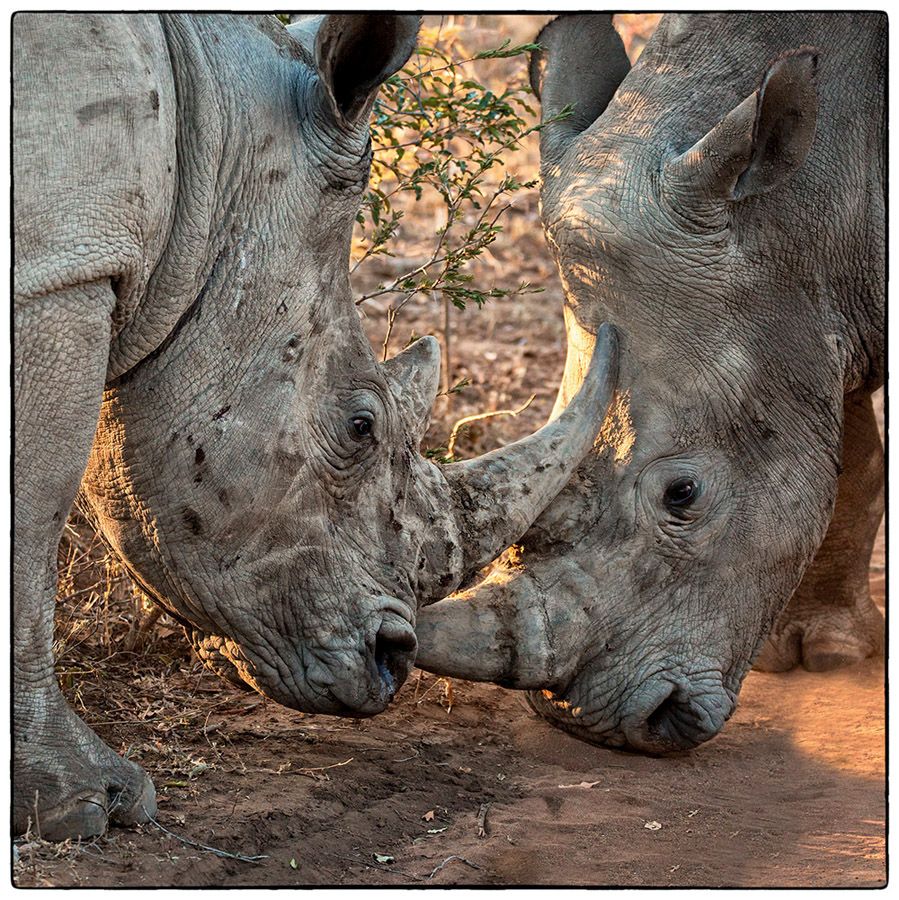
[[735, 235], [188, 351]]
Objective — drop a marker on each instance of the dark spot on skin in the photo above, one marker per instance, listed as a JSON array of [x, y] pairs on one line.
[[190, 439], [277, 175], [266, 142], [199, 456], [221, 412], [91, 111], [282, 308], [154, 101], [223, 498], [192, 520], [290, 353]]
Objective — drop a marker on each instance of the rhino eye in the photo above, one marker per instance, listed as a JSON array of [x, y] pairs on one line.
[[681, 493], [362, 424]]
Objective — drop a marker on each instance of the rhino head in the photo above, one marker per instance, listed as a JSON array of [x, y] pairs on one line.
[[259, 472], [634, 606]]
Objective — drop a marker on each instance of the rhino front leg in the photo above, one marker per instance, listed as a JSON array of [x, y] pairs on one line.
[[831, 620], [66, 781]]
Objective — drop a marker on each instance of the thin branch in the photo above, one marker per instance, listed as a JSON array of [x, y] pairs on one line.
[[467, 420], [199, 846], [450, 859]]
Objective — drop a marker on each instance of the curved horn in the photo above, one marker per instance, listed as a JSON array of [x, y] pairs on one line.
[[498, 495], [507, 630]]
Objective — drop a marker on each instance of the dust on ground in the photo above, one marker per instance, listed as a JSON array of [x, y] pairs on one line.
[[792, 793]]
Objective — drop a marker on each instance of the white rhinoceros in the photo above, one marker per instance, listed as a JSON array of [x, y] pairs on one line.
[[187, 350], [722, 204]]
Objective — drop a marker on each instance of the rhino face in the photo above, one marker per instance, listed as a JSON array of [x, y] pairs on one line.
[[637, 601], [260, 471]]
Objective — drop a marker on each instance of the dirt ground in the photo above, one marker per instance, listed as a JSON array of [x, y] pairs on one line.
[[792, 793]]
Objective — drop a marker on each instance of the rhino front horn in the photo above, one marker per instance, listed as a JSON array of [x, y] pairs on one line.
[[498, 496], [511, 629]]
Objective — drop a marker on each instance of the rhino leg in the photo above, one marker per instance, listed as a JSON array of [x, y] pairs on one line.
[[831, 620], [66, 781]]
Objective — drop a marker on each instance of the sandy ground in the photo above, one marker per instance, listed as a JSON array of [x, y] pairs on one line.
[[791, 793]]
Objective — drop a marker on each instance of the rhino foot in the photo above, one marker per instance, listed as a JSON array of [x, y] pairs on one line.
[[69, 784], [828, 638]]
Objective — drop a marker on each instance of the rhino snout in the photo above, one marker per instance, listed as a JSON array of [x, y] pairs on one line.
[[381, 662], [394, 653], [668, 715]]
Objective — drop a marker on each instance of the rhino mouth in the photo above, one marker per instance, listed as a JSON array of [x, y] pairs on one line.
[[672, 715], [394, 653], [355, 680]]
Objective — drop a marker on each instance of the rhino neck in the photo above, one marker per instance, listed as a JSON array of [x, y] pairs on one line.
[[236, 255]]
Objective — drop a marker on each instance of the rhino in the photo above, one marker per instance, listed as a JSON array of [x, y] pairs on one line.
[[721, 203], [188, 355]]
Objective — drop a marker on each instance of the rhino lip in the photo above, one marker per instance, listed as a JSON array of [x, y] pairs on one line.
[[394, 653]]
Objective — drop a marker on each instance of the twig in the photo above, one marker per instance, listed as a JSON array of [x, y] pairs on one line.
[[190, 843], [309, 772], [37, 819], [467, 420], [447, 348], [450, 859], [482, 820], [407, 758]]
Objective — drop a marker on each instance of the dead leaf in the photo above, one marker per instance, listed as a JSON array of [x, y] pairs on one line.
[[383, 858], [429, 816], [437, 830], [652, 826], [293, 863], [580, 784]]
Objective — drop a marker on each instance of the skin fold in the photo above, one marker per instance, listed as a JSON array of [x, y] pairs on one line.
[[188, 355], [722, 204]]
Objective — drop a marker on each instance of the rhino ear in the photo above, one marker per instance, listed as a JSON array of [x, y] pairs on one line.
[[354, 54], [760, 143], [414, 376], [580, 63]]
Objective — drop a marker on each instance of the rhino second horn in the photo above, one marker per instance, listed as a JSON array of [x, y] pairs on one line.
[[499, 495]]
